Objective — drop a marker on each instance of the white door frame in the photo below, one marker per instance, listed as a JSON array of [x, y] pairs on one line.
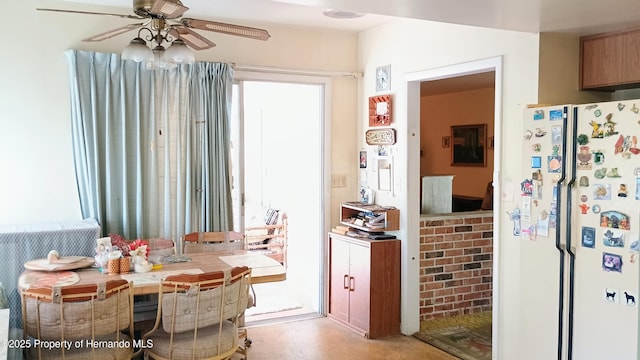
[[411, 249], [325, 197]]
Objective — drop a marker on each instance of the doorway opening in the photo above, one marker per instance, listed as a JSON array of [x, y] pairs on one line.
[[277, 163], [417, 150]]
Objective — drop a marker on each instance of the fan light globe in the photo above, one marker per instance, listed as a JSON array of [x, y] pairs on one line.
[[179, 53], [137, 51]]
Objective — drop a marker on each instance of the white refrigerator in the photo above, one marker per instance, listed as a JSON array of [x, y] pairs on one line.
[[578, 222]]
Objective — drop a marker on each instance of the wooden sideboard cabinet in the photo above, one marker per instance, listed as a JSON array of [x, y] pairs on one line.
[[610, 61], [364, 285]]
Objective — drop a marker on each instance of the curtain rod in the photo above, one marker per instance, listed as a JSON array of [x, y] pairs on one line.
[[278, 70]]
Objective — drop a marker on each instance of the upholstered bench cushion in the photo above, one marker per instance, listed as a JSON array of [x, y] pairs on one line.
[[206, 343]]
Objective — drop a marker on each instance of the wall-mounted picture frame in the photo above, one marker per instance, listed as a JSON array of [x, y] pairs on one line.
[[446, 141], [468, 146], [363, 159], [380, 137], [380, 110], [385, 173]]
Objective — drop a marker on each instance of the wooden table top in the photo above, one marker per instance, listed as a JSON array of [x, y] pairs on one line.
[[263, 269]]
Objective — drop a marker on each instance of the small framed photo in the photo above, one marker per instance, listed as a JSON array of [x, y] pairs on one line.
[[363, 159], [611, 262], [446, 141]]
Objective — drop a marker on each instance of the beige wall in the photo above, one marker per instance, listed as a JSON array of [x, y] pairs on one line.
[[415, 47], [559, 72], [437, 114], [37, 184]]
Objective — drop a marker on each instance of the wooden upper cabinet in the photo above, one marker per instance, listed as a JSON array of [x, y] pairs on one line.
[[610, 61]]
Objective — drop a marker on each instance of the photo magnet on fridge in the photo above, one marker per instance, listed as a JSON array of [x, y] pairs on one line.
[[555, 115], [611, 262], [588, 237]]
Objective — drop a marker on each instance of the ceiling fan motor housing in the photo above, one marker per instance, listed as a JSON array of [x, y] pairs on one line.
[[143, 7]]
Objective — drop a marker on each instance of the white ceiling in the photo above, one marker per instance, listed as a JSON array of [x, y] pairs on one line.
[[574, 16]]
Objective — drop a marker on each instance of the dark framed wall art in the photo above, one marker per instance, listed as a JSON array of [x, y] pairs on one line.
[[469, 145]]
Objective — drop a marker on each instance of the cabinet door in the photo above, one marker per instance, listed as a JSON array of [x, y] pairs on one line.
[[339, 279], [359, 286]]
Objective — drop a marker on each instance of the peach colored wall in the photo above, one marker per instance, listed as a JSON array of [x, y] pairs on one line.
[[438, 114]]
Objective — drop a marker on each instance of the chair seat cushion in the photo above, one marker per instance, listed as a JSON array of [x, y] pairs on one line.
[[206, 345], [104, 348]]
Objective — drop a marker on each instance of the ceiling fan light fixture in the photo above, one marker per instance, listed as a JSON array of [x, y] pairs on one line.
[[138, 51], [179, 53], [342, 14]]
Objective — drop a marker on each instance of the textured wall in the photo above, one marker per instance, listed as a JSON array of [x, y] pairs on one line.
[[456, 261]]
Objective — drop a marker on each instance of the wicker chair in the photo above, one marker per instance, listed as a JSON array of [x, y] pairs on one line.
[[197, 242], [95, 321], [198, 315]]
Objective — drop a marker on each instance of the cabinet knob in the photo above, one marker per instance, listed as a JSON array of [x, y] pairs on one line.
[[352, 283], [344, 281]]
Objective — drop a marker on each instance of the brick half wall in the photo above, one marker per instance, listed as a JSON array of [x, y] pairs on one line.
[[456, 264]]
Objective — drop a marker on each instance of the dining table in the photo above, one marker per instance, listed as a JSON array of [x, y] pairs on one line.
[[263, 270]]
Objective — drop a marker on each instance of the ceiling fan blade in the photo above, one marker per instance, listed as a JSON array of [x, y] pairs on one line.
[[168, 9], [92, 13], [115, 32], [193, 39], [230, 29]]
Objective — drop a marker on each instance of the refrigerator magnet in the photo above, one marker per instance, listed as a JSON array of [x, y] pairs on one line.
[[614, 220], [634, 246], [584, 158], [634, 108], [595, 209], [637, 188], [622, 190], [596, 130], [601, 191], [613, 238], [588, 237], [584, 181], [555, 115], [630, 298], [515, 217], [554, 164], [542, 226], [538, 114], [584, 208], [611, 262], [611, 295], [536, 162], [556, 134], [621, 106]]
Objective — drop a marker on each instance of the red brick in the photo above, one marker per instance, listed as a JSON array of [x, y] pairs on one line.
[[472, 236], [464, 244], [474, 220], [453, 237], [482, 242], [434, 285], [444, 245], [443, 230], [482, 227], [453, 268], [452, 221], [463, 259], [444, 261], [453, 252]]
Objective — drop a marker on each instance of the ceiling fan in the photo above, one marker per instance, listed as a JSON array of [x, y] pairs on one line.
[[164, 20]]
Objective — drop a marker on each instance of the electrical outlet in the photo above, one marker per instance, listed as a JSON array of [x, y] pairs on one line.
[[339, 181]]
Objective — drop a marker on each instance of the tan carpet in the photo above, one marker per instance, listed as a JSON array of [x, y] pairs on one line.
[[467, 336]]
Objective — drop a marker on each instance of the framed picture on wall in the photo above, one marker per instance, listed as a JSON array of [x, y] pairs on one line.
[[468, 146]]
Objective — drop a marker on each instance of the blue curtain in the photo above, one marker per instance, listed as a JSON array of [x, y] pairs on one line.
[[151, 147]]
